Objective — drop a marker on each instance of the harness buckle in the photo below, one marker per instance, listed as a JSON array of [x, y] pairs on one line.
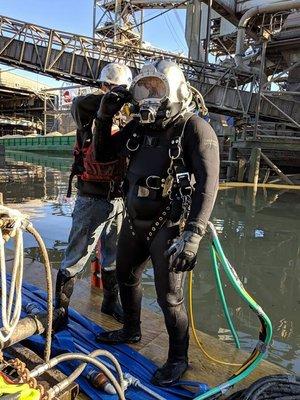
[[156, 185], [183, 175]]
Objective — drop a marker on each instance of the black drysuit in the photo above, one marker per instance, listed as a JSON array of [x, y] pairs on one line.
[[201, 157]]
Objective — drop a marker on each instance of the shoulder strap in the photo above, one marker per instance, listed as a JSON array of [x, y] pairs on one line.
[[181, 176]]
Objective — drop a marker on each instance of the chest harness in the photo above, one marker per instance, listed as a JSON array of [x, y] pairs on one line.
[[176, 188], [88, 169]]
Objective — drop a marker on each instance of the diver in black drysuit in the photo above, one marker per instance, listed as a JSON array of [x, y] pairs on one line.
[[153, 220]]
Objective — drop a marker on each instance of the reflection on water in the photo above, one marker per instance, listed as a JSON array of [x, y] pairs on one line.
[[260, 237]]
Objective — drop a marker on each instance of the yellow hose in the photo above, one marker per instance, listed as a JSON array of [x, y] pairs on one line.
[[192, 322], [228, 185]]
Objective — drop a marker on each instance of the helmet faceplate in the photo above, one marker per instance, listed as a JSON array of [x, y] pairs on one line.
[[160, 85]]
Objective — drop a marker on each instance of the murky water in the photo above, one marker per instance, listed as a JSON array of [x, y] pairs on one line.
[[260, 236]]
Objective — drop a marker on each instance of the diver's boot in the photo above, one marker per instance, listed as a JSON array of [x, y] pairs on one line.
[[169, 373], [111, 304], [131, 297], [176, 365], [125, 335], [63, 291]]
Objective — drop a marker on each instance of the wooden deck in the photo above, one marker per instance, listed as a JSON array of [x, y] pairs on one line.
[[154, 343]]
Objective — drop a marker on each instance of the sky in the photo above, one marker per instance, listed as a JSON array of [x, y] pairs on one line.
[[76, 16]]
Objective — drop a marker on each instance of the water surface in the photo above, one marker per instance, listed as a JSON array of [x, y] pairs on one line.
[[260, 236]]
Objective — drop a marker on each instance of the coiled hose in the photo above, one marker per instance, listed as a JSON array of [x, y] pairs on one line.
[[265, 334], [278, 387]]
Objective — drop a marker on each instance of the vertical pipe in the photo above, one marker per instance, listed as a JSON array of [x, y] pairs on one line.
[[209, 5], [199, 30], [94, 18], [117, 17], [191, 30], [45, 115], [142, 27], [261, 71]]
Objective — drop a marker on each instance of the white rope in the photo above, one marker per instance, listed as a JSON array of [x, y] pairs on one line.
[[11, 303]]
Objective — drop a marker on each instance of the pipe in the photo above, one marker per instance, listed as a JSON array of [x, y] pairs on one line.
[[75, 374], [239, 50], [77, 356], [132, 381], [27, 327]]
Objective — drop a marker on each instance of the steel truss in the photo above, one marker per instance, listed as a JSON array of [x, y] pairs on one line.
[[79, 59]]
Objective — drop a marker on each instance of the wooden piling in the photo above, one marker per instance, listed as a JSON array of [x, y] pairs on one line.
[[254, 165]]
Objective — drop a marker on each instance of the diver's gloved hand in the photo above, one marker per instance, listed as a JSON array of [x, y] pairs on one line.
[[183, 252], [113, 101]]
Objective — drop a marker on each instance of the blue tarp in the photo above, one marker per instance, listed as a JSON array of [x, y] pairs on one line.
[[81, 335]]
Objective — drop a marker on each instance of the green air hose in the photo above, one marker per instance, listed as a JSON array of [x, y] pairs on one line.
[[222, 297], [265, 335]]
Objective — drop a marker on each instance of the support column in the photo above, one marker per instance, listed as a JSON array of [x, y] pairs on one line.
[[254, 166]]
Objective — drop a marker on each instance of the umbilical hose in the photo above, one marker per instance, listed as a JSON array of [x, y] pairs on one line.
[[265, 334]]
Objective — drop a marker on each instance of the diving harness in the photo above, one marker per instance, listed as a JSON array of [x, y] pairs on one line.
[[176, 187]]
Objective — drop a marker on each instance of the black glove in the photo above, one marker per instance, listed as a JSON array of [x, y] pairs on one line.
[[113, 101], [183, 252]]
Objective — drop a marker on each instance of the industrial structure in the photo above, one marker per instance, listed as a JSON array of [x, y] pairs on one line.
[[243, 56]]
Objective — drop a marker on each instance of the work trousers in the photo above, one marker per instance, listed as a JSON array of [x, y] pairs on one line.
[[93, 219], [133, 251]]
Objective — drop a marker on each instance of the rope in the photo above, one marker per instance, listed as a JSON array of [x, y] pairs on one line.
[[49, 284], [12, 224]]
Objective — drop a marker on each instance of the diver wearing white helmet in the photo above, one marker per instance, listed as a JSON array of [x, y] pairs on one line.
[[166, 214], [98, 212]]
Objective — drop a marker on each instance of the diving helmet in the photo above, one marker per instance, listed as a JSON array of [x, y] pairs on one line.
[[161, 92], [116, 74]]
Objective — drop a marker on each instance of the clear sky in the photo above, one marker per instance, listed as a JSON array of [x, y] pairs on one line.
[[166, 32]]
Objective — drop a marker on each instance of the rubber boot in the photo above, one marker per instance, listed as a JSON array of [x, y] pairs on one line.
[[176, 365], [63, 292], [131, 331], [111, 304]]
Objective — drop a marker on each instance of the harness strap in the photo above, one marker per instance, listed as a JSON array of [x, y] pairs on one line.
[[69, 190]]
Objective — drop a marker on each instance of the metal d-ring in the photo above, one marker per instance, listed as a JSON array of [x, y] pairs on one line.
[[132, 149], [149, 186]]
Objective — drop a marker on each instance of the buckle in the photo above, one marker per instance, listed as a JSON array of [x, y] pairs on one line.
[[154, 185], [183, 175]]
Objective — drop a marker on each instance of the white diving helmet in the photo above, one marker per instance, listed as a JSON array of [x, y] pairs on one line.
[[116, 74], [161, 92]]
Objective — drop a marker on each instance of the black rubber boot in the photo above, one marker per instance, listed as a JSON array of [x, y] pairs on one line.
[[176, 365], [111, 304], [119, 336], [131, 331], [63, 292], [169, 373]]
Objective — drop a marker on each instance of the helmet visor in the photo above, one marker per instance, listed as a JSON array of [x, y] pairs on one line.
[[149, 87]]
